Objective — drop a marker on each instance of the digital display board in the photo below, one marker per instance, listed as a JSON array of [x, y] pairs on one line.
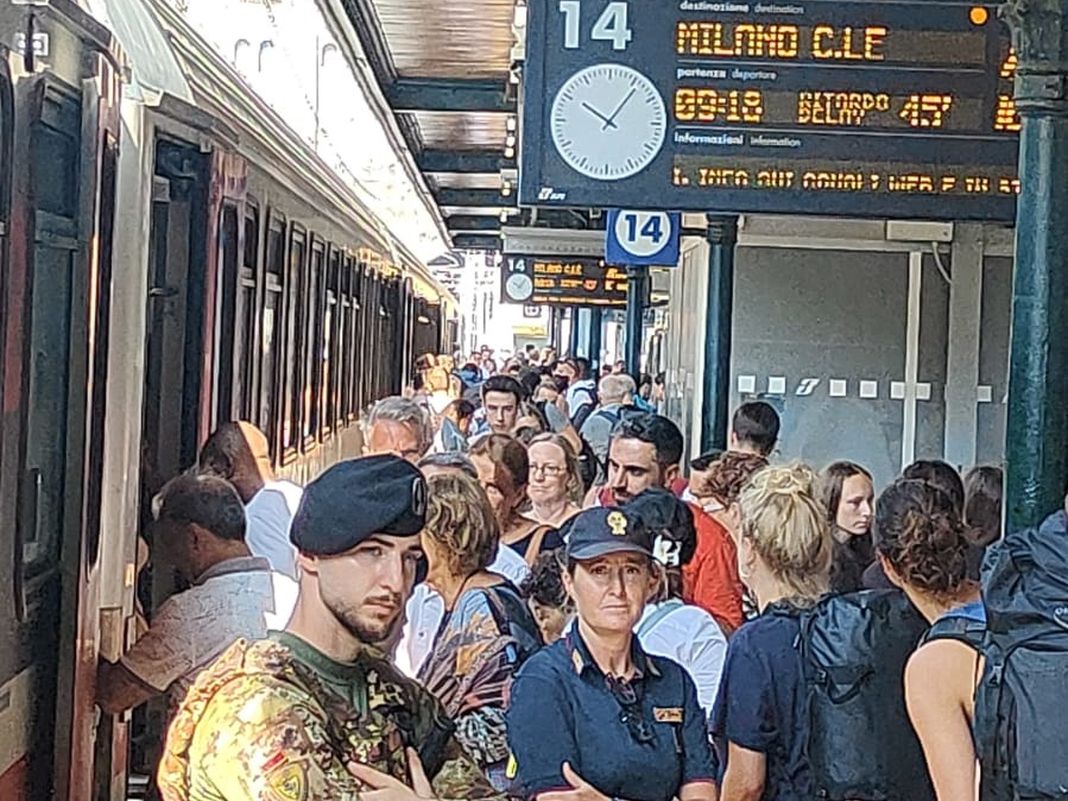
[[562, 281], [880, 109]]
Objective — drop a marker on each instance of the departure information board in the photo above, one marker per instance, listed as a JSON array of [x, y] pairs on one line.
[[567, 281], [879, 109]]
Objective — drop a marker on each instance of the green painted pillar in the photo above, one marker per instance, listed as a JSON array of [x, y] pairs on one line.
[[637, 289], [722, 235], [1037, 432]]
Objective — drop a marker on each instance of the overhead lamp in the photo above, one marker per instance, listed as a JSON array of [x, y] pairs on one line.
[[506, 189], [504, 216], [509, 152], [510, 124], [509, 141]]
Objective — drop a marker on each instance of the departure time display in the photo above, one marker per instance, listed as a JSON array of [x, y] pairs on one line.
[[895, 109]]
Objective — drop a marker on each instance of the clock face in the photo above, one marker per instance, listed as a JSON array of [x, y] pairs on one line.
[[608, 122], [519, 286]]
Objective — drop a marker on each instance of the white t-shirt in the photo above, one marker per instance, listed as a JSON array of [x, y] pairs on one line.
[[425, 610], [268, 517], [690, 636], [238, 598]]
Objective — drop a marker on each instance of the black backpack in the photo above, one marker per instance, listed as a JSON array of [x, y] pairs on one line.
[[861, 744], [1020, 725]]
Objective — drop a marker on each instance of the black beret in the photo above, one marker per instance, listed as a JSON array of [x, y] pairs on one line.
[[357, 499]]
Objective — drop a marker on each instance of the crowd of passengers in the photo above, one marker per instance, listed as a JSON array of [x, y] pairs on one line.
[[599, 625]]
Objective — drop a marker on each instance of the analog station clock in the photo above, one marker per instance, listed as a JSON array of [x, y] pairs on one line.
[[519, 286], [608, 122]]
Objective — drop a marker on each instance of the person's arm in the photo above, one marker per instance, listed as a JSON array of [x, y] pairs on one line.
[[698, 771], [541, 734], [158, 659], [117, 689], [939, 711], [717, 588], [746, 774], [276, 742]]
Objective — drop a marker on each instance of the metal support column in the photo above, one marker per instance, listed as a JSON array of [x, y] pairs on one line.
[[573, 331], [594, 350], [722, 235], [1037, 431], [637, 289]]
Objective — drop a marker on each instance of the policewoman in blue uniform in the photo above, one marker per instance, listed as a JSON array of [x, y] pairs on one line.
[[592, 716]]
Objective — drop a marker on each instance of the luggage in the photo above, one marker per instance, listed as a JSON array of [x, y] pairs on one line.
[[861, 744], [1020, 725]]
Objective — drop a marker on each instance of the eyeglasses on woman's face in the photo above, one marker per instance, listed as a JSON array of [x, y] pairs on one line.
[[547, 470]]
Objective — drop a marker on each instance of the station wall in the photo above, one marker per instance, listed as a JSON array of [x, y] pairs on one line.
[[852, 347]]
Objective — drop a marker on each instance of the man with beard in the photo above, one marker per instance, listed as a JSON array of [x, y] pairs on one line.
[[315, 712]]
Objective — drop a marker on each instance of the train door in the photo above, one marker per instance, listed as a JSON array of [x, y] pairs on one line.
[[63, 145], [175, 341]]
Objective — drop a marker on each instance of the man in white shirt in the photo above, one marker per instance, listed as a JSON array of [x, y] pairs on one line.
[[239, 453], [200, 528]]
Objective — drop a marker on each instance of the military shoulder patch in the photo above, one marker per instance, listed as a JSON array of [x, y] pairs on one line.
[[667, 714]]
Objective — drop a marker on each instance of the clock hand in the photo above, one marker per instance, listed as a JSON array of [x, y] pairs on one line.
[[599, 115], [611, 120]]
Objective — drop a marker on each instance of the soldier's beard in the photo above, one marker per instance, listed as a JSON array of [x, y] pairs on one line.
[[365, 627]]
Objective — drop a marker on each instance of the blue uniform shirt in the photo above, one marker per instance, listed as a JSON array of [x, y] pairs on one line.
[[760, 701], [563, 710]]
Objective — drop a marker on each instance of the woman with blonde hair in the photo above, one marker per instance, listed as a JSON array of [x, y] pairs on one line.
[[555, 486], [487, 631], [784, 559]]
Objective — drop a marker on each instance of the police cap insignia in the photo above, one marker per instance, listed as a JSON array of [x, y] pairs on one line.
[[617, 521]]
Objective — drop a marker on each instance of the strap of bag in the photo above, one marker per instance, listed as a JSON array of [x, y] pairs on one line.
[[536, 539], [662, 612]]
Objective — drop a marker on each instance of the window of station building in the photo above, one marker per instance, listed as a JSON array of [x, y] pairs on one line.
[[328, 377], [296, 279], [313, 348], [245, 316], [272, 329]]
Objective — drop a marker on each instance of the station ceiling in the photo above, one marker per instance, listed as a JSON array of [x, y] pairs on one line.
[[449, 72]]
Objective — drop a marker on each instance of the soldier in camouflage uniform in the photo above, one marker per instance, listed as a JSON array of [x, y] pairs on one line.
[[315, 713]]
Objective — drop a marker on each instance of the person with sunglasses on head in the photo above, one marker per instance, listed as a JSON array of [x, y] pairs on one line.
[[593, 717]]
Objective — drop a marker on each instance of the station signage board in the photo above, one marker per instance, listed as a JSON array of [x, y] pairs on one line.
[[880, 109], [562, 281]]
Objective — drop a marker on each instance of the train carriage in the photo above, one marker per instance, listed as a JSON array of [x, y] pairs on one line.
[[172, 256]]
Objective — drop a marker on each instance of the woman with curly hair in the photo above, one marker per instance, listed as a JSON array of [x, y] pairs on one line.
[[923, 547], [487, 631]]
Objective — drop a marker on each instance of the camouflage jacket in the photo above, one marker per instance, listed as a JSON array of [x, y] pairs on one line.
[[276, 720]]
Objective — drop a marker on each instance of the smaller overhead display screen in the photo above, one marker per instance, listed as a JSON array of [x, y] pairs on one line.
[[886, 109], [552, 280]]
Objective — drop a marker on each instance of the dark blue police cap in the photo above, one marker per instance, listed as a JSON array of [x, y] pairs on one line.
[[357, 499], [606, 530]]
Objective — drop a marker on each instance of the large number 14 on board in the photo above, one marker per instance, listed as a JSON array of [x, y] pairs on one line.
[[611, 26]]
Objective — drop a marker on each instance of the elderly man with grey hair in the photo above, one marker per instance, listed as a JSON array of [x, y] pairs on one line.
[[615, 395], [398, 426]]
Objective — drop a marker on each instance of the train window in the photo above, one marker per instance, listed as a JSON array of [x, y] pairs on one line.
[[226, 312], [331, 327], [245, 333], [313, 351], [55, 149], [294, 349], [6, 137], [347, 363], [272, 334]]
